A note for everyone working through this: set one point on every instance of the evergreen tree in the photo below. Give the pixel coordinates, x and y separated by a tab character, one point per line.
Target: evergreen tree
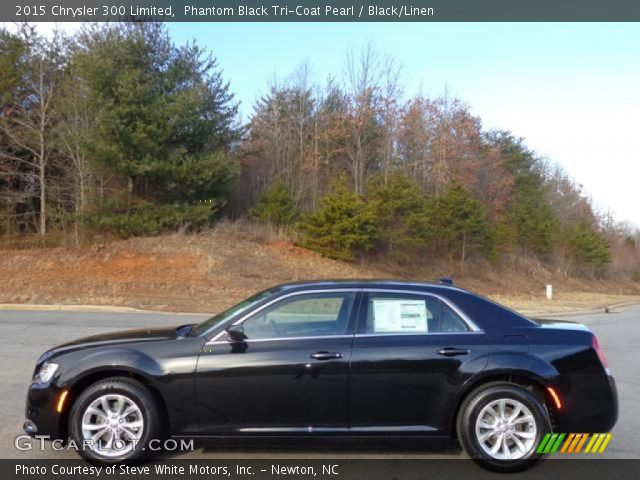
404	214
165	119
461	223
530	216
343	225
588	247
275	205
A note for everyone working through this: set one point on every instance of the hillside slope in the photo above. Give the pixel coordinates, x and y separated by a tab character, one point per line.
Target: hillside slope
210	271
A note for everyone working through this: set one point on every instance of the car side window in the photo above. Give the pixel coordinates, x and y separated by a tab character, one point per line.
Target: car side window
406	313
302	316
450	321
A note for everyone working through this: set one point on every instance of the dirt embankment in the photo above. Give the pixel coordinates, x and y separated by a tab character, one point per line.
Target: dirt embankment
210	271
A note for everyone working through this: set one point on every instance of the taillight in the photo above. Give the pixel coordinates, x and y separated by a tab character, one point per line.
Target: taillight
600	353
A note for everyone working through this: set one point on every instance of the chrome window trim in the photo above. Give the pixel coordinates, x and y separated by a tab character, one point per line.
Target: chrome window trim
414	334
280	339
276	300
465	318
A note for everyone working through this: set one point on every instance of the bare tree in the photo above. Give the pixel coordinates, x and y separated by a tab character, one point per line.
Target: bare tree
391	93
27	125
72	134
362	148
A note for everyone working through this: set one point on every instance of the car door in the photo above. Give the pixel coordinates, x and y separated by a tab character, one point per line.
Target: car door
290	374
411	354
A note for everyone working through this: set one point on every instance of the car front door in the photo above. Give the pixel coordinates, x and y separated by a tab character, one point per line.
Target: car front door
289	376
411	354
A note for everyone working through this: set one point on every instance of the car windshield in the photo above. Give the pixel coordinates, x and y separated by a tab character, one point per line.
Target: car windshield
231	312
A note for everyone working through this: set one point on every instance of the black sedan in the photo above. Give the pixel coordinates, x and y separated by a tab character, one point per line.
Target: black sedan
332	359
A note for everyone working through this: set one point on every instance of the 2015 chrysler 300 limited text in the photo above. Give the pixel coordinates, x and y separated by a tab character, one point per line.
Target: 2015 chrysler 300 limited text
332	358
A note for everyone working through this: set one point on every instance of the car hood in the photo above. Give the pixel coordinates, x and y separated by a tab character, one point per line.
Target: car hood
119	338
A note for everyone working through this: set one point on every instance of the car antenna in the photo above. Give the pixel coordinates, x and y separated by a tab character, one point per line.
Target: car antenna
446	281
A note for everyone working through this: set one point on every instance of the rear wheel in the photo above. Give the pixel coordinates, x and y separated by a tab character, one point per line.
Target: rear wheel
114	419
501	425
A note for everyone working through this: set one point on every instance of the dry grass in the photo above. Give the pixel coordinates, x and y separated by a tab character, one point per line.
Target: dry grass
212	270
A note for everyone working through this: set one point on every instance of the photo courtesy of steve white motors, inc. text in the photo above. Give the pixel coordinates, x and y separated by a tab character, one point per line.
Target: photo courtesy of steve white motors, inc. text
34	12
172	469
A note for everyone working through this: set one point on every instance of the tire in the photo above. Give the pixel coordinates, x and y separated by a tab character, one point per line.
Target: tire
122	409
503	416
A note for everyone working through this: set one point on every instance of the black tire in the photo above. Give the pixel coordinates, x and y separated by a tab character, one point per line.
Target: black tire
472	407
137	393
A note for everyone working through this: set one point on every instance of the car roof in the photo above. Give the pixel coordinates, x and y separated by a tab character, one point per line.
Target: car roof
322	284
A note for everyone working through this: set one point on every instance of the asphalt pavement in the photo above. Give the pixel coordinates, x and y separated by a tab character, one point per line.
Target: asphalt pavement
25	335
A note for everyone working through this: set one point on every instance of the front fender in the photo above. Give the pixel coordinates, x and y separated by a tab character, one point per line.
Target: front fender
169	370
115	359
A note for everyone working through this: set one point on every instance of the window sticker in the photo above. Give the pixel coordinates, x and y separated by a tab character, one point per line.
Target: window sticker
399	315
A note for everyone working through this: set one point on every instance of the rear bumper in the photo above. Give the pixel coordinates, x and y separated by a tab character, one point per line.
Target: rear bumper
589	404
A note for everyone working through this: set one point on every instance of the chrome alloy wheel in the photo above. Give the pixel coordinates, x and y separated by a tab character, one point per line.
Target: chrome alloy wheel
112	425
506	429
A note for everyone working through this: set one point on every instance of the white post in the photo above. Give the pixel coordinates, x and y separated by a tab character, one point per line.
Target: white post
549	292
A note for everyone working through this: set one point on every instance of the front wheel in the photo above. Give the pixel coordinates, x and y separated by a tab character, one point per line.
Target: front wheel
114	419
501	425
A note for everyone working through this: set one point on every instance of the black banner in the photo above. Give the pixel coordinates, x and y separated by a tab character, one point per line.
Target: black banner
319	11
334	469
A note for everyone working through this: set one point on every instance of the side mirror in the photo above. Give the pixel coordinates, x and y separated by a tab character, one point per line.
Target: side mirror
236	333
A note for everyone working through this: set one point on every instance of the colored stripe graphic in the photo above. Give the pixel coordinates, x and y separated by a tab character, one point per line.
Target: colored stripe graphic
544	441
594	437
605	443
584	439
558	443
550	443
567	443
573	442
576	441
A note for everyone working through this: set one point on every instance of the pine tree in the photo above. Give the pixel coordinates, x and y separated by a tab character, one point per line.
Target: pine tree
404	214
275	205
588	247
461	222
530	216
343	225
165	119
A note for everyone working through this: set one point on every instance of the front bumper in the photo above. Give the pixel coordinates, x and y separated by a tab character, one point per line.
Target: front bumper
41	415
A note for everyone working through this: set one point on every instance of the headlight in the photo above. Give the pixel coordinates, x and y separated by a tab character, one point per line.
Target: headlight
46	372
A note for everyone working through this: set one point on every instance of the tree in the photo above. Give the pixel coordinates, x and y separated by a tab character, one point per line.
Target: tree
460	221
529	214
73	134
343	225
364	132
35	71
588	246
280	135
275	205
165	118
403	212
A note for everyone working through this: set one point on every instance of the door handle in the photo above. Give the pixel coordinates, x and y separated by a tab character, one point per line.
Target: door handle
326	355
453	351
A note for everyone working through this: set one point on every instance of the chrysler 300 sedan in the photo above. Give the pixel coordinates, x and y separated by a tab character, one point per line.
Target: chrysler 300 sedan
332	359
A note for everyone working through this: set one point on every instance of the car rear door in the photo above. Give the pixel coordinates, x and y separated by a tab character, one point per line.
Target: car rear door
291	374
411	354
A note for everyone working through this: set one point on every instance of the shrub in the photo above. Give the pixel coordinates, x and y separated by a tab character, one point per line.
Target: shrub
343	225
144	218
275	205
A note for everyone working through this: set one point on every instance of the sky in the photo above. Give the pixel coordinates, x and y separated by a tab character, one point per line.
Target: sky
571	90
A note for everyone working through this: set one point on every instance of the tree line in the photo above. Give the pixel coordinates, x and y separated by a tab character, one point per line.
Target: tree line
117	131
